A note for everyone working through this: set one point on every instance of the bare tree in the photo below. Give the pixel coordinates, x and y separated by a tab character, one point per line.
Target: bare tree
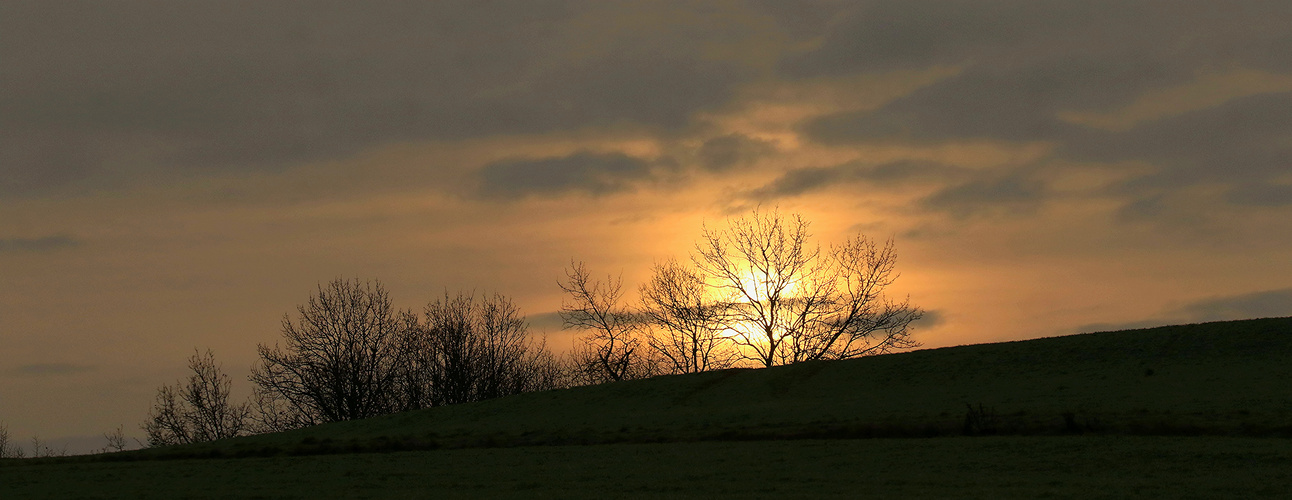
341	359
689	323
475	349
858	319
198	409
612	349
543	371
8	448
41	449
270	412
789	302
116	441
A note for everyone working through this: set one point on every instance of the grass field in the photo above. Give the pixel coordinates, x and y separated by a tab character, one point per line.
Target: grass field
951	467
1184	411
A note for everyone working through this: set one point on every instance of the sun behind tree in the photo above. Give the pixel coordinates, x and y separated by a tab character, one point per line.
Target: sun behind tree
787	302
755	293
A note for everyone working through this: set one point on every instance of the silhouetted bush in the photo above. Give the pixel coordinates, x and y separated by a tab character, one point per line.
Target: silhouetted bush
350	355
341	358
194	411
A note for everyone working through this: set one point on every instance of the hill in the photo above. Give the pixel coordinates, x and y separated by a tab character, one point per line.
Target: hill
1223	378
1173	412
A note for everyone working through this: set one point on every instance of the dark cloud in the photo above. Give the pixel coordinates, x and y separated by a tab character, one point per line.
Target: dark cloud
803	18
42	244
722	153
1014	104
1025	64
930	319
253	85
886	35
1266	304
962	192
592	173
1261	195
805	180
1245	142
30	162
51	369
547	322
1014	192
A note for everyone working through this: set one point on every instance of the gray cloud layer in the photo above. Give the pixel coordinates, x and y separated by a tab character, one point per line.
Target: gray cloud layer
1024	63
253	85
806	180
593	173
1266	304
111	92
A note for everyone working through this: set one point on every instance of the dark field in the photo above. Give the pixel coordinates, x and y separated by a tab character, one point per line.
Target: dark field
1201	411
980	467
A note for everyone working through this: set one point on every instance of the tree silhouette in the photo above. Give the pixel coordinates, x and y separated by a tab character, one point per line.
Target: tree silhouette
612	348
788	302
196	410
116	440
8	448
341	358
473	349
689	324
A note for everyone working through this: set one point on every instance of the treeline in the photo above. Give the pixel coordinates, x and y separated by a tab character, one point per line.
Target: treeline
9	448
754	293
348	354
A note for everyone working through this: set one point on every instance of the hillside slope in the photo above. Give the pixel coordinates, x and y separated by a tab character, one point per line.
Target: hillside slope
1227	378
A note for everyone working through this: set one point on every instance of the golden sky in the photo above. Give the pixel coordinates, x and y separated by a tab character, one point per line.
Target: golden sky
180	175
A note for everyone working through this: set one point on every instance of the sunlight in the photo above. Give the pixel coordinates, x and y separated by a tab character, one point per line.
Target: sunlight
745	330
751	286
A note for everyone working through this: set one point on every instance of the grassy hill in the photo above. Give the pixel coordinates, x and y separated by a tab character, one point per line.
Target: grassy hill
1226	382
1226	378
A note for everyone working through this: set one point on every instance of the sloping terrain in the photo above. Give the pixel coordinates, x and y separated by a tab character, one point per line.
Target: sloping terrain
1192	411
1224	378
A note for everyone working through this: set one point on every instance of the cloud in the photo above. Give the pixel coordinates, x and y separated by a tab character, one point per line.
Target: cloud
1243	142
1009	103
959	191
588	172
549	322
51	369
1268	195
39	245
1265	304
806	180
931	318
722	153
1026	68
1013	192
242	86
887	35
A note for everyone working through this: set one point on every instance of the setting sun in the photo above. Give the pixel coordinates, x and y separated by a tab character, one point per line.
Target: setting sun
526	234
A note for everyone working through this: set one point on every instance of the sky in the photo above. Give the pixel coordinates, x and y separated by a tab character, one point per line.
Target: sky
179	175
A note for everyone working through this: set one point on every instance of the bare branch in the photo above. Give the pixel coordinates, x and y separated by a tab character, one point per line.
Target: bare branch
195	411
611	350
789	302
690	325
341	357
